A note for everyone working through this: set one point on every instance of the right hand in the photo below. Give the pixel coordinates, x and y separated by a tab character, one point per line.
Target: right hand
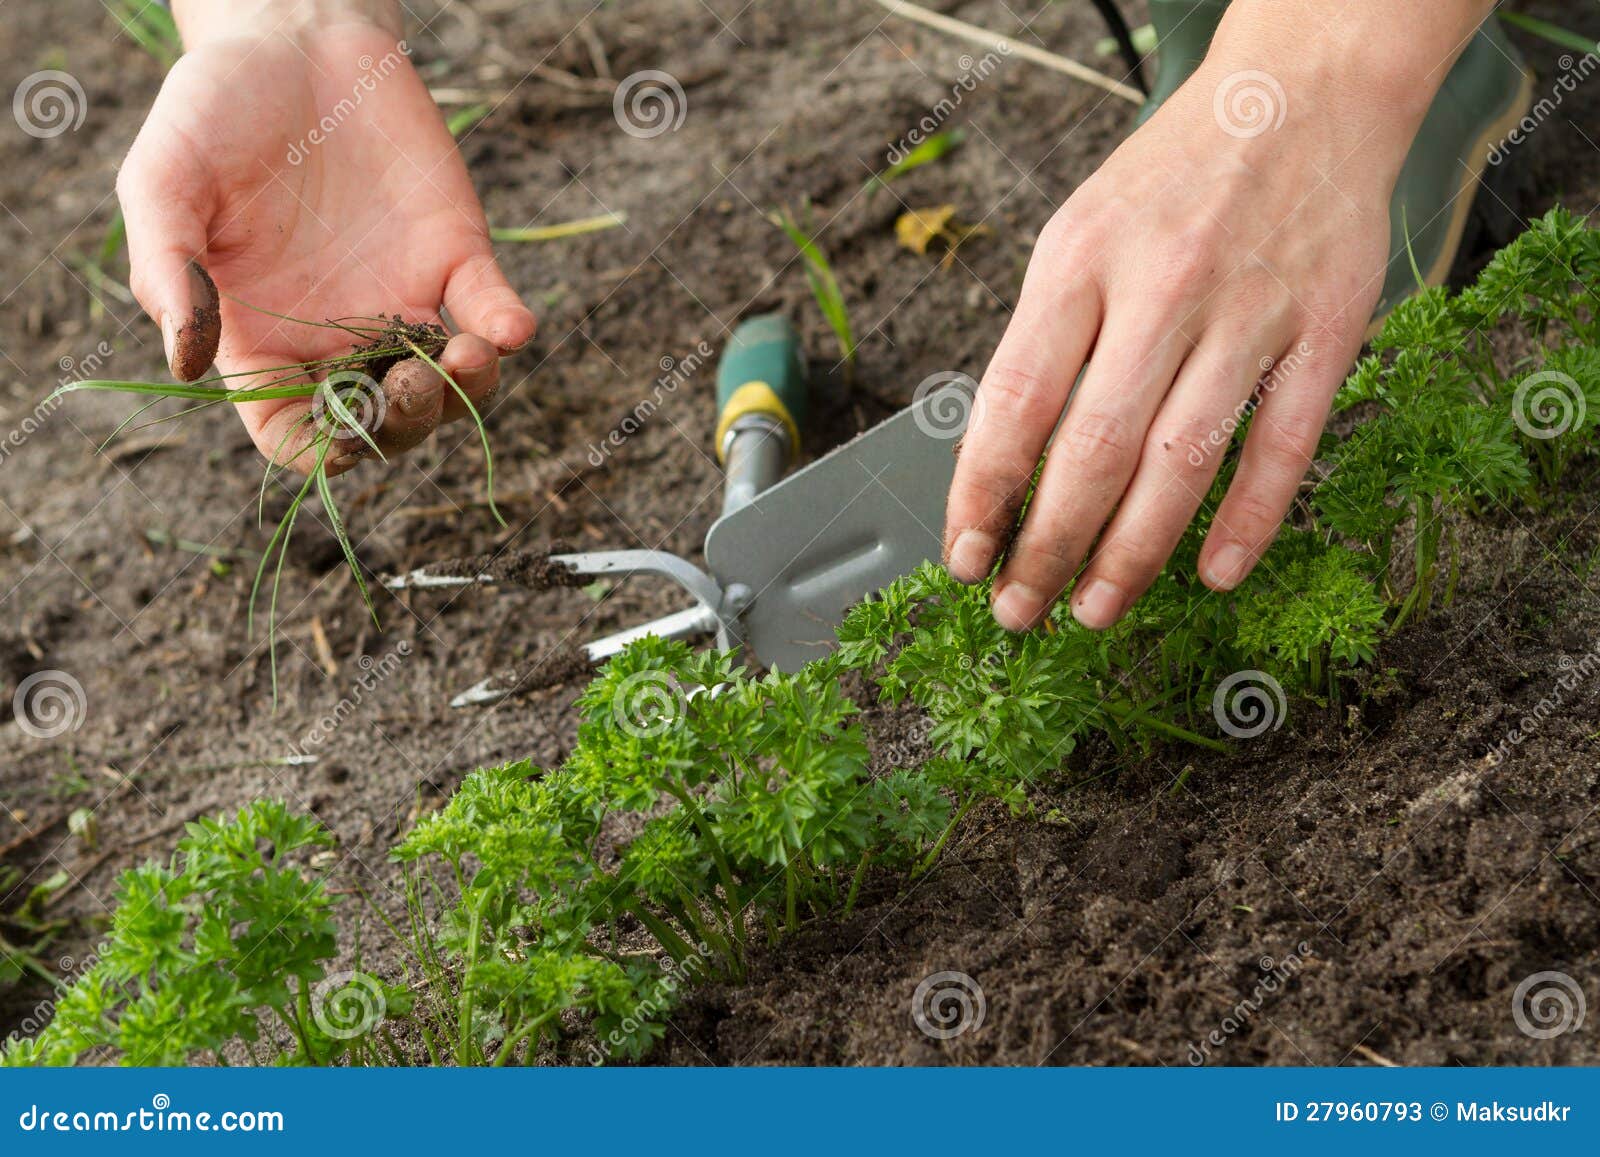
309	171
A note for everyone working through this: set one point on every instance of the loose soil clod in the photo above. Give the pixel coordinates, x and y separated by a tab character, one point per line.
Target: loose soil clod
535	570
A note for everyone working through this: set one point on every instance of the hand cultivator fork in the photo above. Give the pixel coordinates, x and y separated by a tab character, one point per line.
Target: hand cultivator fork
788	556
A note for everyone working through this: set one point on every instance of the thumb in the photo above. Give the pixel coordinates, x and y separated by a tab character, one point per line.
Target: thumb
165	203
482	302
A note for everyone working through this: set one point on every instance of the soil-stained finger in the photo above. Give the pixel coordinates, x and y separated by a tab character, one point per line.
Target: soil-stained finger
474	363
193	340
411	404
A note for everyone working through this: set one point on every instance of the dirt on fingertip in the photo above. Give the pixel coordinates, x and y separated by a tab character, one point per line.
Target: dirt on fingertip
195	344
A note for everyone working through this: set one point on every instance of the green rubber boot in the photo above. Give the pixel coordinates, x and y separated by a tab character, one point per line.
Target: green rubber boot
1486	94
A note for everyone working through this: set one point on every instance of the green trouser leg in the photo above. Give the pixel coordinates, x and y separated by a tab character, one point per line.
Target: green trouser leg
1484	96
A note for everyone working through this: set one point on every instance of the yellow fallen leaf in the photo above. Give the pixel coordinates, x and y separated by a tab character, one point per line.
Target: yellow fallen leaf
917	229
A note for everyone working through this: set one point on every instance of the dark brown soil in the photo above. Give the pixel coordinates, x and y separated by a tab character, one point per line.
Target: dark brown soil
1120	925
195	347
536	570
399	334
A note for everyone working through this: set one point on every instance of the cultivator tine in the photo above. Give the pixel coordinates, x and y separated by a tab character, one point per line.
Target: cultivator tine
420	579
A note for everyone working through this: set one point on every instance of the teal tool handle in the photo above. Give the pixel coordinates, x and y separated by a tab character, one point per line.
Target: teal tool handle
762	373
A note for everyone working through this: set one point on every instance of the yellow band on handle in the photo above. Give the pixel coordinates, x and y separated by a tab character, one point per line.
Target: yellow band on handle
755	398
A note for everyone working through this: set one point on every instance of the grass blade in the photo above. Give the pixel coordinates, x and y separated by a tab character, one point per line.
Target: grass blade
565	229
1554	33
483	433
926	153
824	285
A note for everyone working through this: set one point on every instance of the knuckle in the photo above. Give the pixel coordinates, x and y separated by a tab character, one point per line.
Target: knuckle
1252	516
1043	561
1008	388
1098	443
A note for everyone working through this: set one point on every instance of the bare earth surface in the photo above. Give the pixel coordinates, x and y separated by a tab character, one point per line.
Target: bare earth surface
1123	925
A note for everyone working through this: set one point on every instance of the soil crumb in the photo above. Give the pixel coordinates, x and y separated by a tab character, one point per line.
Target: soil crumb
536	570
398	332
558	668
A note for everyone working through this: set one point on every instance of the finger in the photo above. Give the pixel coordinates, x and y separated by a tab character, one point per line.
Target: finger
1179	460
287	430
413	401
474	364
1089	464
482	302
1014	413
166	207
1282	442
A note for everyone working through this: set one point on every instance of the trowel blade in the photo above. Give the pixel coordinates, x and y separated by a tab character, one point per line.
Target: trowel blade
842	528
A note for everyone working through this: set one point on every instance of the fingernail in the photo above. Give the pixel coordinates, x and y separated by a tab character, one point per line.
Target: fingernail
1017	607
1227	566
169	337
970	557
1099	605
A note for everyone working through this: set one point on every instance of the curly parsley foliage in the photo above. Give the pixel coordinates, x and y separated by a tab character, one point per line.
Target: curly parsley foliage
704	807
203	951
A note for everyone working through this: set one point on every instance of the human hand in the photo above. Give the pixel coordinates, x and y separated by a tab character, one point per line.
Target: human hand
297	156
1212	260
